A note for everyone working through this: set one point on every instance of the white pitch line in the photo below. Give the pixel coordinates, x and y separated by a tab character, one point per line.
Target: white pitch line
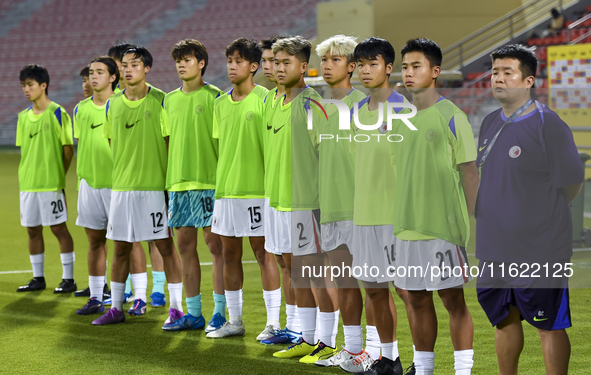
203	264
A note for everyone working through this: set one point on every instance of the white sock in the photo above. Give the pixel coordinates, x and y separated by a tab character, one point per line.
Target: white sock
37	261
96	285
293	319
424	362
414	353
308	322
395	354
176	296
317	329
463	361
234	303
117	293
67	265
387	349
327	327
353	339
273	305
140	285
372	342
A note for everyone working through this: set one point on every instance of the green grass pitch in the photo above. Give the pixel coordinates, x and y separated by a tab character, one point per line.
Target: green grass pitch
41	333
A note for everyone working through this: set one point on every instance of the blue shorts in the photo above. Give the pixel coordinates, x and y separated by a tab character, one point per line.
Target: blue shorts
191	208
541	304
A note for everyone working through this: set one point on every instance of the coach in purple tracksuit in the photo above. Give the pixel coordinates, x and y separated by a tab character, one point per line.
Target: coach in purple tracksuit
530	172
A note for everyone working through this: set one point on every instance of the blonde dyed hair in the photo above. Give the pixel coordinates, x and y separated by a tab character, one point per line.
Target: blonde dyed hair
296	46
338	45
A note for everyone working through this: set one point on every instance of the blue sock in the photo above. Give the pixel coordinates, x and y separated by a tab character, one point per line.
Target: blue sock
128	284
158	279
220	304
194	305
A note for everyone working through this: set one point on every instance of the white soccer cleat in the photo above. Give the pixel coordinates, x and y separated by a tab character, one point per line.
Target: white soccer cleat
359	363
335	360
268	332
227	330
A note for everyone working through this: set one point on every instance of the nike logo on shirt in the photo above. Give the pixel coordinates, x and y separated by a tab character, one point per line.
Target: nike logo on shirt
481	148
32	135
127	126
269	127
276	130
96	126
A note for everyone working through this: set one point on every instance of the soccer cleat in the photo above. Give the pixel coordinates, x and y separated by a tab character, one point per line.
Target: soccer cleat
112	316
300	349
138	308
128	297
410	370
359	363
173	316
82	293
226	330
34	284
216	322
66	286
283	336
336	359
384	366
106	292
187	322
157	299
321	351
92	306
267	332
107	302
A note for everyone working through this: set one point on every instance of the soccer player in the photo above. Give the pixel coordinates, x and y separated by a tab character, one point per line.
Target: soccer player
116	53
293	170
336	192
44	133
373	241
190	179
434	192
291	332
86	86
138	202
239	193
94	168
528	178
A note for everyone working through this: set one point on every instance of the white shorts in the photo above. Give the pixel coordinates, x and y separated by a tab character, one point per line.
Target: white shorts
430	265
374	253
277	230
43	208
93	206
305	232
236	217
138	216
335	234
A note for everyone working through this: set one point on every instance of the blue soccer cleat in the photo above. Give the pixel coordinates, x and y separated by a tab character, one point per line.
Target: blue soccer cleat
157	300
138	308
216	322
92	306
187	322
128	297
283	336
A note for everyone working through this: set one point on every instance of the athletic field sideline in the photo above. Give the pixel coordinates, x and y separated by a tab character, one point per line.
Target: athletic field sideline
41	333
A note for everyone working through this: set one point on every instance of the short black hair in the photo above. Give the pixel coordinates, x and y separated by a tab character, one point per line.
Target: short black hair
111	68
528	63
371	47
427	47
190	47
35	72
247	49
116	52
141	53
84	72
268	43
